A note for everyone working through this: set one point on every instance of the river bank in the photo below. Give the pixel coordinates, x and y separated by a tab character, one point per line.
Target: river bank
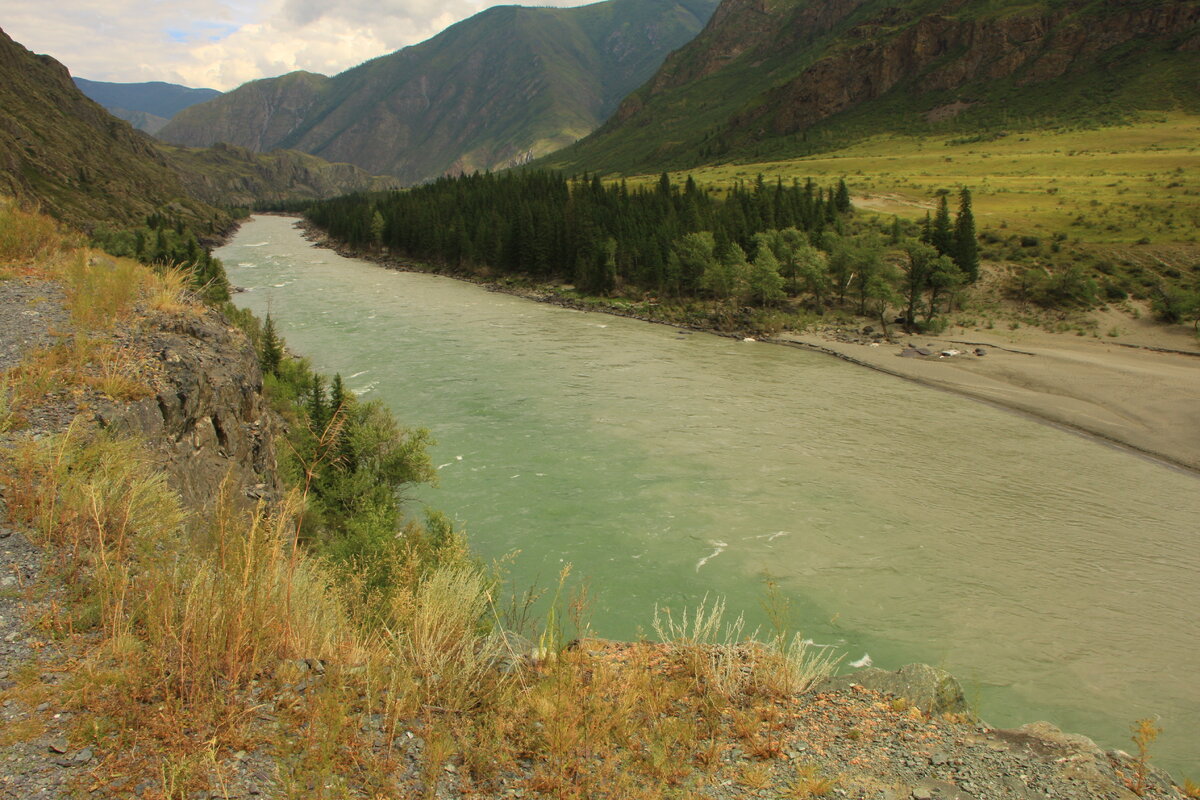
1136	389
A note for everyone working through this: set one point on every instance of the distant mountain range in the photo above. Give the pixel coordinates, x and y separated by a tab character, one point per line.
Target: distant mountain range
145	106
64	152
500	88
782	78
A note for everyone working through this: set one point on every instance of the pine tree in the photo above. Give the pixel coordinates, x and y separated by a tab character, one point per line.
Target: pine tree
337	394
943	232
843	197
966	246
271	351
318	408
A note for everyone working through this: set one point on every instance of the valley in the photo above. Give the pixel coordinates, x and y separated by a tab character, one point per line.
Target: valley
303	496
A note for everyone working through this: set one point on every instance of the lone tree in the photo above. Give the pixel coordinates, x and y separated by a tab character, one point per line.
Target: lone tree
966	245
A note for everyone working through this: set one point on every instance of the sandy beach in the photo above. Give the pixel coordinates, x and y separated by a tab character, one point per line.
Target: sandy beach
1140	390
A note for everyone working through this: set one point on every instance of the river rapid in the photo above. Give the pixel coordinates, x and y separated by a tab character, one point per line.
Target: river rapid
1054	575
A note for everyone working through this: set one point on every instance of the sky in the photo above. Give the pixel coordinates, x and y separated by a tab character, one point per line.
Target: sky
221	44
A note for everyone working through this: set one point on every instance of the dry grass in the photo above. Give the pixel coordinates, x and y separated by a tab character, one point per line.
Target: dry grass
8	414
198	618
723	659
30	241
81	361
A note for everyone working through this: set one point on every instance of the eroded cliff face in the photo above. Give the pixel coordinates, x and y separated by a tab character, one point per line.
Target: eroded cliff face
945	53
208	421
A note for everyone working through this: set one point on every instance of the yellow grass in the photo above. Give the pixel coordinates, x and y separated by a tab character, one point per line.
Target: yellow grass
29	240
1128	182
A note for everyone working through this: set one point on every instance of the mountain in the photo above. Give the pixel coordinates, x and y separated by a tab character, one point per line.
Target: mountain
63	151
225	175
779	78
506	85
141	120
145	106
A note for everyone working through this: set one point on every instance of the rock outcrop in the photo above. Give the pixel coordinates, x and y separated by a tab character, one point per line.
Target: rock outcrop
932	690
946	53
208	421
233	176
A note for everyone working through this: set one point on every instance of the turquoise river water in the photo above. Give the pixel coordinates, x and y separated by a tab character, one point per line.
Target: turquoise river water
1056	576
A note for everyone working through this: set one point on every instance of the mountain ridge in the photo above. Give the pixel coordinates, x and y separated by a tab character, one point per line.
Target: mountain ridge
535	80
64	152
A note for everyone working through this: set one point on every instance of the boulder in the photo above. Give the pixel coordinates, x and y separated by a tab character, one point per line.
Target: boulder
930	689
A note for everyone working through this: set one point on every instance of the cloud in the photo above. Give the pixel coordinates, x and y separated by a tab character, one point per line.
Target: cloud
224	43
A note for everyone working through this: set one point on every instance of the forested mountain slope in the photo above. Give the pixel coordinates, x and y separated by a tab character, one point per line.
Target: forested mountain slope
506	85
778	78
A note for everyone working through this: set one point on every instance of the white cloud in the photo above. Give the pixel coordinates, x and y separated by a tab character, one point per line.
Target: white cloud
224	43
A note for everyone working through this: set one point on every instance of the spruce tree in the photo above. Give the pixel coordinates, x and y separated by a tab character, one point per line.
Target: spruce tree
271	350
943	232
966	246
843	197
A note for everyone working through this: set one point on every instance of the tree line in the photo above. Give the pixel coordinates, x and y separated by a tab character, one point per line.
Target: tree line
757	244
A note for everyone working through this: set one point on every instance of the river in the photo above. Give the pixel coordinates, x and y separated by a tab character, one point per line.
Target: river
1054	575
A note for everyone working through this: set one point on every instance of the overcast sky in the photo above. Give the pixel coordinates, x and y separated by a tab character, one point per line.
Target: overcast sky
223	43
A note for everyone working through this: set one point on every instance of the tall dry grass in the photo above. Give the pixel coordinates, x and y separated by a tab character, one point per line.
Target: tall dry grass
30	241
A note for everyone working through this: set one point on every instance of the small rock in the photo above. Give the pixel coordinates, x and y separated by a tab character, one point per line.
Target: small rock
59	746
922	793
43	707
83	756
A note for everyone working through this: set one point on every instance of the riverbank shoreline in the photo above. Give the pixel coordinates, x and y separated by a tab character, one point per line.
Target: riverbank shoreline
1136	395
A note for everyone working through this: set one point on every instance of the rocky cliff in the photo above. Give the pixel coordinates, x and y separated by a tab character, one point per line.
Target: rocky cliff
207	420
959	55
233	176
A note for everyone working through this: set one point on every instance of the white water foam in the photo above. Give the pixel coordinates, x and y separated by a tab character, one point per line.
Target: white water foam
720	548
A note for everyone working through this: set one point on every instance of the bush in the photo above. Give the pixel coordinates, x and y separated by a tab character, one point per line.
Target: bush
1068	288
1114	292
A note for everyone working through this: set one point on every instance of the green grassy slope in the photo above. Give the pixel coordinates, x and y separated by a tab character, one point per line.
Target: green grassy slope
506	84
788	77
